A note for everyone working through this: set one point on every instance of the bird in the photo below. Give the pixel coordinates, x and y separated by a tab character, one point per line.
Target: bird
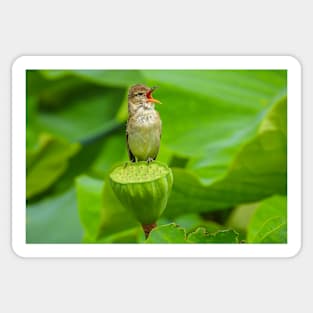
144	126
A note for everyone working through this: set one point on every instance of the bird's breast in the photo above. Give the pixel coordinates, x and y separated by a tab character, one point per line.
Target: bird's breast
144	131
146	119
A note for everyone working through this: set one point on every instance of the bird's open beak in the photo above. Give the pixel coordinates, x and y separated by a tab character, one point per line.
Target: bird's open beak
149	95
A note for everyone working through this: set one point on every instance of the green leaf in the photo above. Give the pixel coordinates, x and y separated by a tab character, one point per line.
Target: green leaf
209	115
79	164
103	217
54	220
46	162
258	171
54	94
31	110
269	222
241	216
87	113
89	202
129	235
55	74
112	151
119	78
221	85
114	78
191	222
201	235
170	233
36	83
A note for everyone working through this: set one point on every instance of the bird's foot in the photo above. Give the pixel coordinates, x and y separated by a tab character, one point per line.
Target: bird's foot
149	160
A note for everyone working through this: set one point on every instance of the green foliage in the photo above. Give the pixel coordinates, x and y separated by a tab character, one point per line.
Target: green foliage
269	222
224	137
54	219
191	222
201	235
172	233
89	204
103	217
48	159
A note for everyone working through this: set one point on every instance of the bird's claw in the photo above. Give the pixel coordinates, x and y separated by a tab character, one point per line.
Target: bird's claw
149	160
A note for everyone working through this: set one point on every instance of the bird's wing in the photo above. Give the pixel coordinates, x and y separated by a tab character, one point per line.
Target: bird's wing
130	154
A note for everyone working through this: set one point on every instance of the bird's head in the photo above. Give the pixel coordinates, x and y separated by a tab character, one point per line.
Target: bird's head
140	96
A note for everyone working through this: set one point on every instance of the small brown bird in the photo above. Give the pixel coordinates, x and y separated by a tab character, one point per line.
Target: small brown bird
144	126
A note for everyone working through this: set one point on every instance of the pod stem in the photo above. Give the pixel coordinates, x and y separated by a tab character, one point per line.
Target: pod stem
147	228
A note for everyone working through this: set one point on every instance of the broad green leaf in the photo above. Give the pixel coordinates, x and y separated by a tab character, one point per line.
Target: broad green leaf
209	115
122	114
31	110
190	222
103	217
78	165
54	94
54	220
201	235
70	106
222	85
32	140
129	235
241	215
269	222
258	171
35	83
170	233
46	162
55	74
112	151
89	203
86	114
114	78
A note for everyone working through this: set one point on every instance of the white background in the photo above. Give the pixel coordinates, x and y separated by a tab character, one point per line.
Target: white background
159	27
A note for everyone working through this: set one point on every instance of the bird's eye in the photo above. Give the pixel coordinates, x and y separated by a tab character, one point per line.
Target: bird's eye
140	94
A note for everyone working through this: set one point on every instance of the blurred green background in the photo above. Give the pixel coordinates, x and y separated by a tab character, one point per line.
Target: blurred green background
224	136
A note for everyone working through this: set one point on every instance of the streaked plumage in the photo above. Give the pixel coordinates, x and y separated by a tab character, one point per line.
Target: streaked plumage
143	131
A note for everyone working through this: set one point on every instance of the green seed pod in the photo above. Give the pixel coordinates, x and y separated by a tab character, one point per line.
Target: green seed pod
143	188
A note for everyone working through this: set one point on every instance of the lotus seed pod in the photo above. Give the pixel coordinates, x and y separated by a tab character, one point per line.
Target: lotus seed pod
143	188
